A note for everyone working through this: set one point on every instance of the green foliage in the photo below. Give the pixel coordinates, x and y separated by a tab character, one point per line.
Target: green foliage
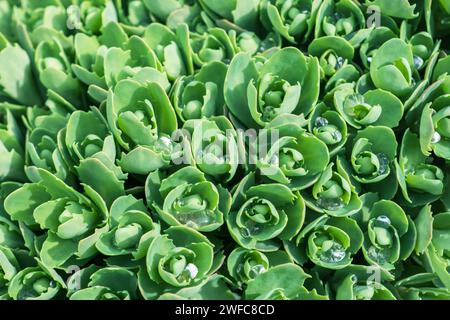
234	149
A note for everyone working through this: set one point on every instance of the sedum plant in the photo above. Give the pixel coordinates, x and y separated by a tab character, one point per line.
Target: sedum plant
224	150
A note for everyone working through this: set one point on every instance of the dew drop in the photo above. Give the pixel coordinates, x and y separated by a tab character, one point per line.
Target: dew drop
418	62
436	137
194	220
165	141
321	122
256	270
339	62
192	269
337	135
189	273
332	204
369	60
384	220
354	278
163	144
384	163
52	284
376	255
335	253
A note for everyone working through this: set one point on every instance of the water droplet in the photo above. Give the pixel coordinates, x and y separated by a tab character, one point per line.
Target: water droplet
256	270
164	144
354	278
165	141
384	163
335	253
52	284
192	269
321	122
194	220
376	255
337	135
384	220
418	62
436	137
332	204
339	62
369	60
189	273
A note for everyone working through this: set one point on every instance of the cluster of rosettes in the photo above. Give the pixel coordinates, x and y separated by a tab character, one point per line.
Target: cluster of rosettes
238	149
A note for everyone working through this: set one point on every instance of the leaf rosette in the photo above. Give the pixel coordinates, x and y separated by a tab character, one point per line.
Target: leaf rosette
358	282
11	149
131	230
423	47
372	156
334	53
329	126
241	14
392	68
172	49
390	235
142	121
376	107
282	282
88	146
186	197
333	193
174	12
73	221
433	122
244	265
343	18
12	260
109	283
420	180
215	45
200	95
133	14
329	242
101	62
55	72
295	158
293	19
215	147
256	96
35	283
432	231
375	39
41	143
264	214
180	258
